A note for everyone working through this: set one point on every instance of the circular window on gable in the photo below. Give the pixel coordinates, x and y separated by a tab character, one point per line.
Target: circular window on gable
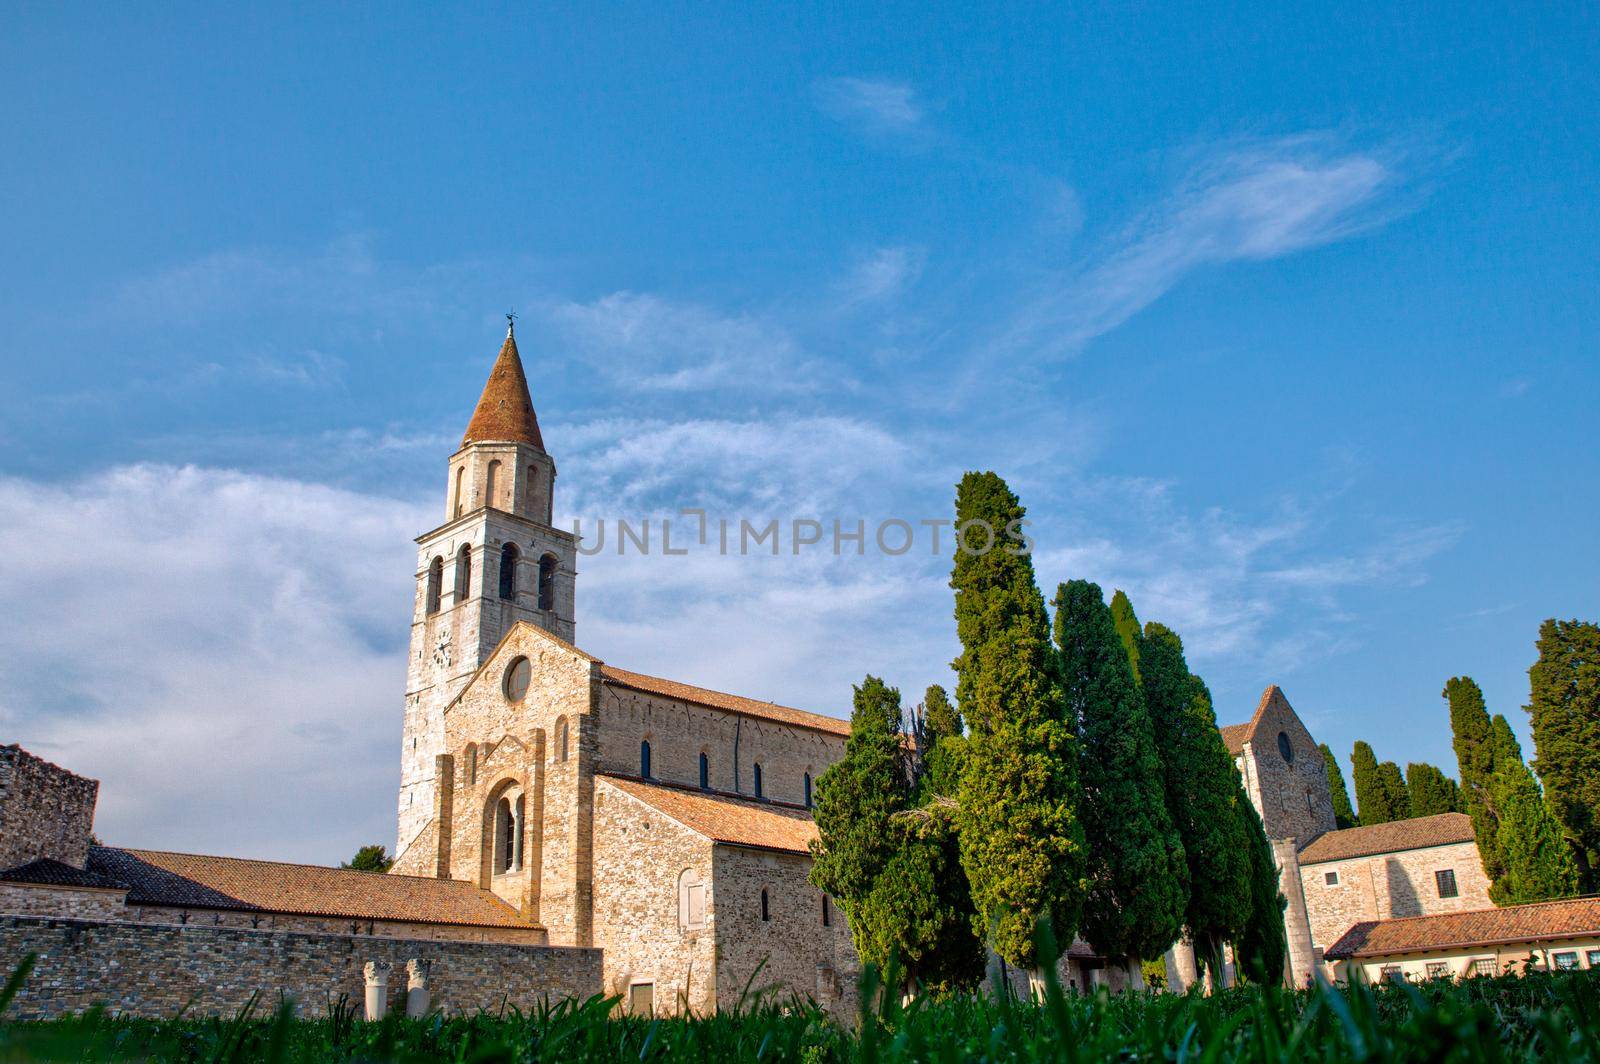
1284	748
518	675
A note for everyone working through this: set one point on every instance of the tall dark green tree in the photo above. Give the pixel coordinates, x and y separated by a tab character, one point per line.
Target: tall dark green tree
1472	739
1430	791
1380	789
1538	865
1565	710
1021	837
1344	815
1262	946
893	869
1138	874
947	745
1203	794
1127	628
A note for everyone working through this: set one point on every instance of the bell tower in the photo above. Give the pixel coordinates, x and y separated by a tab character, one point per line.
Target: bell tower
497	559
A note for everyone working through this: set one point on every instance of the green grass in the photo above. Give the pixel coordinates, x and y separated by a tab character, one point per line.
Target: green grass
1542	1016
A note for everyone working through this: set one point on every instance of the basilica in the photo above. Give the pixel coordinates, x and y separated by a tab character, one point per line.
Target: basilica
567	826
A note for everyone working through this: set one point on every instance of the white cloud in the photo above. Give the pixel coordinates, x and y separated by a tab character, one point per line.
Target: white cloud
1251	202
648	343
883	273
873	105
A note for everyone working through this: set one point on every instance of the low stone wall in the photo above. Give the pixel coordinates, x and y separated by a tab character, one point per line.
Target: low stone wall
155	970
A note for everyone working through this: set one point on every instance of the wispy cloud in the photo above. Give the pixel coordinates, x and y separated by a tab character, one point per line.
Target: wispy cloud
871	105
883	273
1256	201
646	342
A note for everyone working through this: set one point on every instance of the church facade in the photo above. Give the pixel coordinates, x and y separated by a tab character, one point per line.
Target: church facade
566	826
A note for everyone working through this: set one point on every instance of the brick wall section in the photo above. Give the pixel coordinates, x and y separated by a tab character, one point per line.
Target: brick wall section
1388	885
800	954
155	970
639	856
679	732
83	903
45	811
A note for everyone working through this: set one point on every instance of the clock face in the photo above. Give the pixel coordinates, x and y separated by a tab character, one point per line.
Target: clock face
441	649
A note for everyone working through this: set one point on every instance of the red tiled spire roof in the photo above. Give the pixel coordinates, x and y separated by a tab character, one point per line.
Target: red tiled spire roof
505	410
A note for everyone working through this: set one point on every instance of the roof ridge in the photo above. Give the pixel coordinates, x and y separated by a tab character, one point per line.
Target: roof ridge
832	723
704	792
291	864
1479	912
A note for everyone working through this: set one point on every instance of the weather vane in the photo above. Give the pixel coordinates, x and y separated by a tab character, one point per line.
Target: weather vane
511	321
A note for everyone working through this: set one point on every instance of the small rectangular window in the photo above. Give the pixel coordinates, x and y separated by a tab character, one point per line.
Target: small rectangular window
642	999
1331	878
1565	962
1445	880
1484	966
1393	973
827	912
1438	970
1592	958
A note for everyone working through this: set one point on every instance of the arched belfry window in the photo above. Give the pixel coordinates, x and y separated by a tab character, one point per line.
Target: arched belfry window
547	582
755	776
435	584
491	482
461	478
644	759
508	571
463	573
705	772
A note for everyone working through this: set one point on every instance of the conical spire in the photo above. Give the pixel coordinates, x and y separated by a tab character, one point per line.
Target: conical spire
505	410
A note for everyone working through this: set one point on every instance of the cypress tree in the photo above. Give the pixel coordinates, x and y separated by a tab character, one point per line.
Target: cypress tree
1203	794
1395	797
1430	790
944	758
892	869
1537	865
1262	946
1127	629
944	719
1372	800
1021	839
1565	710
1344	816
1138	874
1471	737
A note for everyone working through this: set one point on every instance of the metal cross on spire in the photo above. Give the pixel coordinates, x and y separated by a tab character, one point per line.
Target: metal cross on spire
511	322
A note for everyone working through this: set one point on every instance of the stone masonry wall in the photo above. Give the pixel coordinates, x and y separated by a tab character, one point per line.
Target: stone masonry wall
1291	796
639	856
337	925
1390	885
800	953
45	811
155	970
83	903
679	732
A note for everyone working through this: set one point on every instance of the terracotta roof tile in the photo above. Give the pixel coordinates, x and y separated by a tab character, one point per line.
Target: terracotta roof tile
1479	927
505	410
204	882
1441	829
1234	736
749	707
47	871
724	819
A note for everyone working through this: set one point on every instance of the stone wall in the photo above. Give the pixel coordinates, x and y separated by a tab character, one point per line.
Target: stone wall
45	811
150	969
679	732
1388	885
639	856
83	903
337	925
1292	796
792	948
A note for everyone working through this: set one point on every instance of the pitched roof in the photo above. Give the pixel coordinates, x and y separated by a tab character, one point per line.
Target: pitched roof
204	882
700	696
1478	927
1236	735
47	871
724	819
505	410
1441	829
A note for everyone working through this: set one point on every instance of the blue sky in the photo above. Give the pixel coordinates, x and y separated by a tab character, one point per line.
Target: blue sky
1283	320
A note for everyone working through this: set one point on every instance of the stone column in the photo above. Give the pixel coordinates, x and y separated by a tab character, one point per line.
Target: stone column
377	990
1182	969
1296	920
417	1000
